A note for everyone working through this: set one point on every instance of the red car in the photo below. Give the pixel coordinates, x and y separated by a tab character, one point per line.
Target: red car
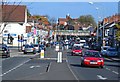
92	58
77	50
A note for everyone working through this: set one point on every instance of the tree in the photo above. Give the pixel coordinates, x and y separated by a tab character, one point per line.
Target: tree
28	13
87	20
118	32
52	20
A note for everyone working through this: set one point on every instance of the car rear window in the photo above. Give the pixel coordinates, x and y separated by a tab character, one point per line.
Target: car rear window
92	54
105	48
35	45
28	46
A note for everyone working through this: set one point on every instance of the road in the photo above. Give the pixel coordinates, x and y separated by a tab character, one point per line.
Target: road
31	67
109	72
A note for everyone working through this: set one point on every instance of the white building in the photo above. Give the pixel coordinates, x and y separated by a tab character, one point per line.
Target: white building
14	21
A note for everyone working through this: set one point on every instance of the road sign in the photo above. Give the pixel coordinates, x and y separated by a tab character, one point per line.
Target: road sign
22	40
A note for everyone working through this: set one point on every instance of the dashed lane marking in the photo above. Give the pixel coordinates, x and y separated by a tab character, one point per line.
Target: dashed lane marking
115	72
15	68
112	71
108	69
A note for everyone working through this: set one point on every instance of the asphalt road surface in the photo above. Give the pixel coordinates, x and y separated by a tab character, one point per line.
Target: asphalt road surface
109	72
31	67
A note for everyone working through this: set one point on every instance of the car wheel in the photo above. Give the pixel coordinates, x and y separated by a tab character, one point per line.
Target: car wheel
101	66
9	55
25	52
82	65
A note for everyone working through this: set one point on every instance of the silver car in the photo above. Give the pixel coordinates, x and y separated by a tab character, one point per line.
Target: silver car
104	50
112	52
29	49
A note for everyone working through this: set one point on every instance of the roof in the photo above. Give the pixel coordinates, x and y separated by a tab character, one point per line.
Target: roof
92	50
62	21
13	13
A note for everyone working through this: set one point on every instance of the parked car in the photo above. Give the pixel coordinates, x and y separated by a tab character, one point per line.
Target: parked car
36	46
111	52
92	58
104	50
29	49
95	46
82	42
86	46
77	50
4	50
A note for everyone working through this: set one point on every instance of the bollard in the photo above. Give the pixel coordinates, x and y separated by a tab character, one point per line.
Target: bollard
42	54
59	59
67	46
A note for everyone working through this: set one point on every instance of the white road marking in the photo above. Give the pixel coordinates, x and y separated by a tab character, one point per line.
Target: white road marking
115	72
108	69
101	77
15	68
35	66
49	66
31	67
72	71
112	71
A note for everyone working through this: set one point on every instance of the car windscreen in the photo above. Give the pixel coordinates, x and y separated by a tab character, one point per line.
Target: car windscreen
91	54
77	48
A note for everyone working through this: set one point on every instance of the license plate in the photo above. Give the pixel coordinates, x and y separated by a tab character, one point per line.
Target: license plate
93	62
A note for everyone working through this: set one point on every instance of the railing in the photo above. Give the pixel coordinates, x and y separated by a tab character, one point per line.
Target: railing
73	32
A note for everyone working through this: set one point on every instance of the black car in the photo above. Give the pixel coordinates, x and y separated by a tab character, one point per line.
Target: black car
4	50
95	46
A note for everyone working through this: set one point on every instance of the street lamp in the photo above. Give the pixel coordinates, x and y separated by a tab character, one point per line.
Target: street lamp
98	18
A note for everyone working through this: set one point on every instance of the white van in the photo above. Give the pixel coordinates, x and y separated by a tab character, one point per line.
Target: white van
82	42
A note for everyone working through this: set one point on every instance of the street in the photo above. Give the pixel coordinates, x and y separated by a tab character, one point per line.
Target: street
31	67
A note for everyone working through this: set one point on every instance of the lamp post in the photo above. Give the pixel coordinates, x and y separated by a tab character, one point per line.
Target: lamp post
98	19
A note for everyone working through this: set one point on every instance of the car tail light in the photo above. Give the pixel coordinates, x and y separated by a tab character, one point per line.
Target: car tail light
73	51
33	48
86	60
